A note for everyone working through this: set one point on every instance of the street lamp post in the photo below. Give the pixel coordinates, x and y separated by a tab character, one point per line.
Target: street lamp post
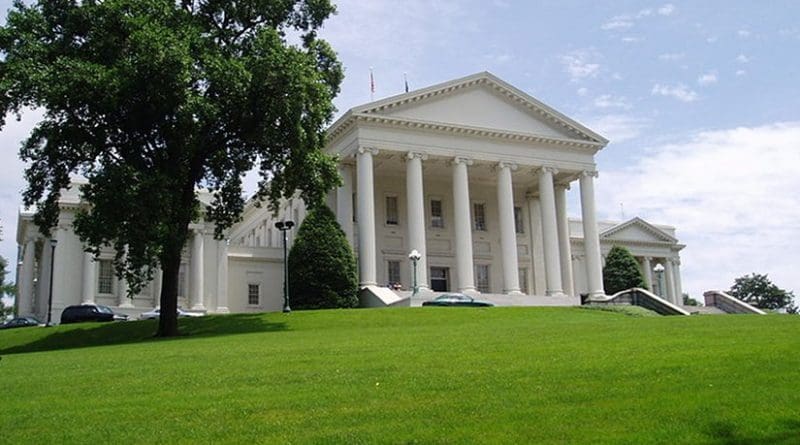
414	256
285	226
53	243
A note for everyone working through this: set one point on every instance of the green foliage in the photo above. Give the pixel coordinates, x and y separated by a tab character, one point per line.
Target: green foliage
626	309
322	268
151	99
759	291
689	301
621	271
569	376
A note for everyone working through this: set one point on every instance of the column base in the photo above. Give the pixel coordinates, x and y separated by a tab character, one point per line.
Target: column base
597	296
513	292
125	305
367	283
555	293
223	310
87	302
469	291
198	307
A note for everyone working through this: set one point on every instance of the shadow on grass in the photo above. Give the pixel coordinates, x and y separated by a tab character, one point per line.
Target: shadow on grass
104	334
725	433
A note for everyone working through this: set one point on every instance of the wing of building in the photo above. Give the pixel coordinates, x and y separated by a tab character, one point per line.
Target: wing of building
473	174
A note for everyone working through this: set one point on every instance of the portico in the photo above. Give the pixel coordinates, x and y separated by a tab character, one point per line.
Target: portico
454	171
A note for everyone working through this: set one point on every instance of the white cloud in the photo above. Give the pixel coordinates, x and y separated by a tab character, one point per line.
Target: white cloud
616	23
580	64
728	194
679	91
671	56
707	79
667	9
582	91
609	101
740	73
617	127
631	39
712	39
743	33
741	58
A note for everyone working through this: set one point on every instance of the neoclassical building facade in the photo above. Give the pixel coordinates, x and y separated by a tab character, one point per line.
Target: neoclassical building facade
473	174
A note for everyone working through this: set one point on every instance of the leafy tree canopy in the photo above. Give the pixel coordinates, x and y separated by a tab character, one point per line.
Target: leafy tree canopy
759	291
322	267
151	99
621	271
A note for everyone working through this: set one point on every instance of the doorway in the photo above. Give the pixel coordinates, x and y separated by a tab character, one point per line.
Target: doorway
440	279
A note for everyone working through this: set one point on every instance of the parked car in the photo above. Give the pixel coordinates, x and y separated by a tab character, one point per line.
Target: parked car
457	300
21	322
90	312
154	314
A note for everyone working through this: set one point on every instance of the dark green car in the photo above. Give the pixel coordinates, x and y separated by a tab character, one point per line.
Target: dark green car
457	300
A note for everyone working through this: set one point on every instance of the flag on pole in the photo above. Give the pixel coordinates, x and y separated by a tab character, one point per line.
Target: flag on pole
405	81
371	84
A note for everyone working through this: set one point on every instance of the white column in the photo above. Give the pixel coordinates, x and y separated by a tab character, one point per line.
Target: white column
196	284
366	217
537	245
676	271
670	285
508	234
25	305
648	272
344	202
591	238
122	291
565	250
158	280
89	280
416	215
463	225
222	276
550	232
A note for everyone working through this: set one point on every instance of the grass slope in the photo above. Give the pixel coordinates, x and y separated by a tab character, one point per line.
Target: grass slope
427	375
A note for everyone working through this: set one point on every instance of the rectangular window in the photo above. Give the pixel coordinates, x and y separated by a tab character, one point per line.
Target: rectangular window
391	210
482	278
437	219
440	279
105	277
393	272
253	291
519	226
523	281
479	217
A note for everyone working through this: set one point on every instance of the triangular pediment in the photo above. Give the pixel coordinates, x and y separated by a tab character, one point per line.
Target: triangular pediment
480	101
637	230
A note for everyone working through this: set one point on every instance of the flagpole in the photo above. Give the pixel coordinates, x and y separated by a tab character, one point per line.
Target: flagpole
371	86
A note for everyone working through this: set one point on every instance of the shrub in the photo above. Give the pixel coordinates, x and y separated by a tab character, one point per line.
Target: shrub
322	267
621	271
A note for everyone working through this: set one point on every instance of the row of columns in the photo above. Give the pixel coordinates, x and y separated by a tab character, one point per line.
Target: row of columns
552	205
672	291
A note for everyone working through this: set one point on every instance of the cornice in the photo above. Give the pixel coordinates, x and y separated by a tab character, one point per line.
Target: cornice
462	130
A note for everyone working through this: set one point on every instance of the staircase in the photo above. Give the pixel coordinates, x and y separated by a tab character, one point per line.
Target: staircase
728	304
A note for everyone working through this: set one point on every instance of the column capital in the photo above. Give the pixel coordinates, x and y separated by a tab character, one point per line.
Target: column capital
589	173
507	164
416	154
374	151
562	185
648	258
546	169
532	195
462	160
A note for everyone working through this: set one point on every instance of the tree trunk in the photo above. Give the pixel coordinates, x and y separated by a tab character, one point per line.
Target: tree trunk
168	320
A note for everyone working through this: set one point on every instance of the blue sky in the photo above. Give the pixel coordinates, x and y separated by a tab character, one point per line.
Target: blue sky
699	99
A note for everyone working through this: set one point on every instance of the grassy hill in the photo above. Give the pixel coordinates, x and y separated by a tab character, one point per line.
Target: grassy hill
423	375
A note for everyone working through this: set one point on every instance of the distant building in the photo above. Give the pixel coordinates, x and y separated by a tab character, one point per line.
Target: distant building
472	173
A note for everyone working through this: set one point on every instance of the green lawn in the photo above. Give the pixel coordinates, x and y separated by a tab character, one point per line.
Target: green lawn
423	375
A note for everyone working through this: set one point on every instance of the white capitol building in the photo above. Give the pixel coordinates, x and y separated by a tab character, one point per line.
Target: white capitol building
472	173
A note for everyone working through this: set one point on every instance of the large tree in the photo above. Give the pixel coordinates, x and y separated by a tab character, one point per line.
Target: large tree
621	271
758	290
151	99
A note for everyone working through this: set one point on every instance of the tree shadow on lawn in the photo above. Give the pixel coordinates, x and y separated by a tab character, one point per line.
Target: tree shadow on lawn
86	335
725	433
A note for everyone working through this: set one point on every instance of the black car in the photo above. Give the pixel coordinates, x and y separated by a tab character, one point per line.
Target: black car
457	300
90	312
21	322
